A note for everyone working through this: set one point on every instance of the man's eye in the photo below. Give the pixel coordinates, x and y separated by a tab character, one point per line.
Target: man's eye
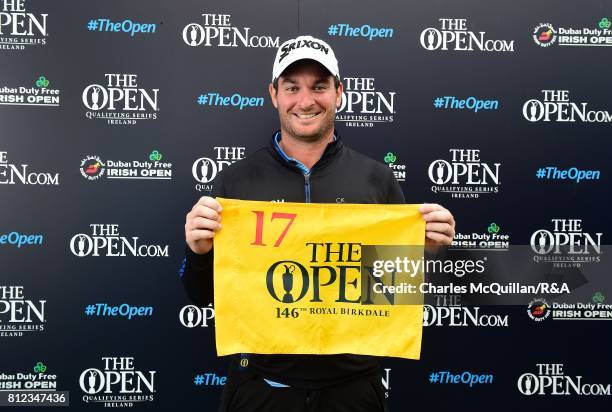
292	89
320	87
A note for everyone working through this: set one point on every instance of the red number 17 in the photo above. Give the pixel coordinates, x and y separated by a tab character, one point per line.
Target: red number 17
275	215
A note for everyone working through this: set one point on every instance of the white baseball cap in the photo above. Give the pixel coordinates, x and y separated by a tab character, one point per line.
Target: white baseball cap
304	47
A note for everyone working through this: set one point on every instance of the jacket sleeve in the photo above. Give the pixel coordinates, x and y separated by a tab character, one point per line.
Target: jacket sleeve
197	277
394	191
197	270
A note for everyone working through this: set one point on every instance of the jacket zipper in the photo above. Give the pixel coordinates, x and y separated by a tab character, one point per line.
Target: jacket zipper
305	171
307	186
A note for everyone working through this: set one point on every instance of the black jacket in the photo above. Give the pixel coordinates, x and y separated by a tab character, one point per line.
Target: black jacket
342	175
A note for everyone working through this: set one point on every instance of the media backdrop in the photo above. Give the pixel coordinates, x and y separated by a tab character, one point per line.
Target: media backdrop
115	117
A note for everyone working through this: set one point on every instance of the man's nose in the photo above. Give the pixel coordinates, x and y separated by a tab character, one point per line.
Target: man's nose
306	99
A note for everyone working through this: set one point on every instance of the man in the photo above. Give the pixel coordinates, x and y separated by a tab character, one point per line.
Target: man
306	161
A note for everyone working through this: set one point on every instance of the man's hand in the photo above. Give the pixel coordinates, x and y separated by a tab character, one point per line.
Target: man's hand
440	227
201	224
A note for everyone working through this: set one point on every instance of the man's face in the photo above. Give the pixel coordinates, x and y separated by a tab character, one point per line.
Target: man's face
306	101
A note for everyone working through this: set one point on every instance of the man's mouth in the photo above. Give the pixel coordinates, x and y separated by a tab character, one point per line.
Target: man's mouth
306	116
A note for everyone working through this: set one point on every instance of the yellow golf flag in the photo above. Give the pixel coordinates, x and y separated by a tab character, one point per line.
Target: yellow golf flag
304	278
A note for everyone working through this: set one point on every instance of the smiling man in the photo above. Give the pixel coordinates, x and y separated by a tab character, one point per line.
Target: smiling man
306	161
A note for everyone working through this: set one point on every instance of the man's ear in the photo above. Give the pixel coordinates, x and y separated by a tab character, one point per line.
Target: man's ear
339	91
273	95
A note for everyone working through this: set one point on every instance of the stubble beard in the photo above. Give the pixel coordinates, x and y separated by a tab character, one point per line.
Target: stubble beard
326	126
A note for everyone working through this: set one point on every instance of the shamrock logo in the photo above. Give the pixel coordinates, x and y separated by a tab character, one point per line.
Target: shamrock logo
598	297
493	228
40	367
605	23
155	156
390	158
42	82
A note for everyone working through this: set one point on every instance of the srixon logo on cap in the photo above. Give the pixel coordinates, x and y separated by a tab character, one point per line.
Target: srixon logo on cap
287	48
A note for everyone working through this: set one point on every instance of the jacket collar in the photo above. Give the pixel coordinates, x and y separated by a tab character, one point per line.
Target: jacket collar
332	150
